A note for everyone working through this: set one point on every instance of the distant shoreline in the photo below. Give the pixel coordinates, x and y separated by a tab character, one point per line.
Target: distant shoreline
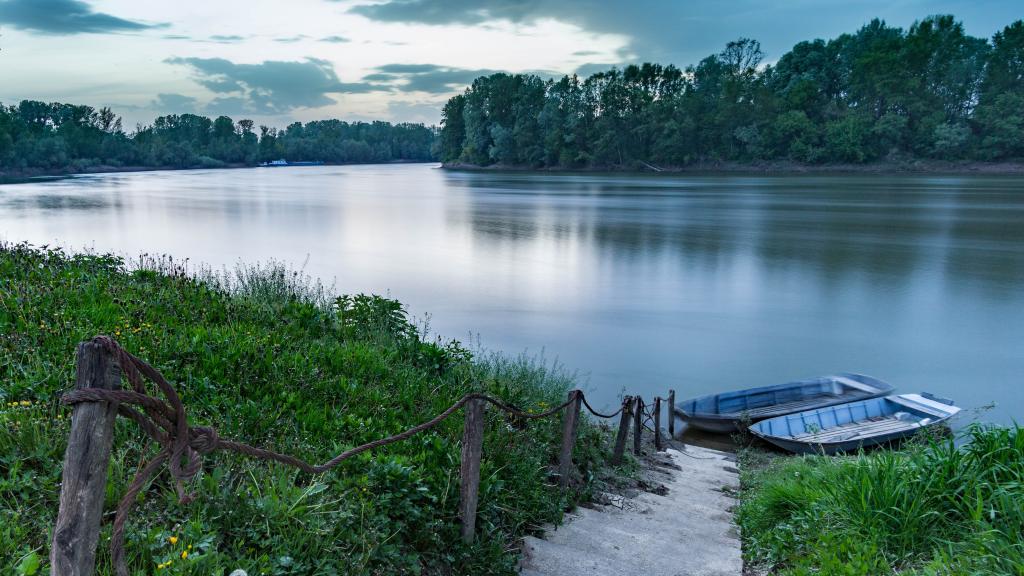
20	176
764	168
776	168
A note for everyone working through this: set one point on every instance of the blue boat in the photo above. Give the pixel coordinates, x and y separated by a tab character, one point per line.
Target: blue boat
282	163
854	425
731	411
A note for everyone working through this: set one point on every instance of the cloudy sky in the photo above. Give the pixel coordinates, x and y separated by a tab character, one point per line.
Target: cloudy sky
398	60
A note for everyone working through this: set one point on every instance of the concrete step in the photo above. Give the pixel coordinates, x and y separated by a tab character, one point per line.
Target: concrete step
687	532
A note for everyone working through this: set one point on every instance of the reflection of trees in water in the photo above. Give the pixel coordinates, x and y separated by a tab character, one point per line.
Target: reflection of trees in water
58	202
880	228
844	240
989	242
617	232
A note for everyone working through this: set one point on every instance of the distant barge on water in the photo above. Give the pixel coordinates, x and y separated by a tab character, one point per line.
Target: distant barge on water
283	162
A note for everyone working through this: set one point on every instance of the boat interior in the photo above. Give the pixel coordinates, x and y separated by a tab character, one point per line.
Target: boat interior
872	417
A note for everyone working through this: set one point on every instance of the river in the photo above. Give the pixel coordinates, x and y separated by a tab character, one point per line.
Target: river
639	283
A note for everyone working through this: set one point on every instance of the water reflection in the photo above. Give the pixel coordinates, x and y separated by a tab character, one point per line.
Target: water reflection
641	282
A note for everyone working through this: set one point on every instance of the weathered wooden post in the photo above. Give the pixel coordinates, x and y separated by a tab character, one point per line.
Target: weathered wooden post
620	438
638	424
84	476
657	423
570	421
672	414
472	445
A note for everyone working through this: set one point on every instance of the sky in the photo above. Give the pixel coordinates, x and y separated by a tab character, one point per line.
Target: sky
396	60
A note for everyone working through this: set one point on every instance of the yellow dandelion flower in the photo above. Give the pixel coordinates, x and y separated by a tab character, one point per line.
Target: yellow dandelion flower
184	554
173	540
26	403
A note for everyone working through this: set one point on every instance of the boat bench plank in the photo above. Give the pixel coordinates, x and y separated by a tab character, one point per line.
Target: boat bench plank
787	407
862	429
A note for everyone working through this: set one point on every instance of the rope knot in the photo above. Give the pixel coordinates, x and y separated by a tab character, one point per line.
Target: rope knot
203	439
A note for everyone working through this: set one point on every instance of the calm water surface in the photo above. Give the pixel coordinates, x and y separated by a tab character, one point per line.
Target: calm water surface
639	283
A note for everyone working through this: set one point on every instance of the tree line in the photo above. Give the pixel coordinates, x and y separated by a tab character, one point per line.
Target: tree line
881	93
39	136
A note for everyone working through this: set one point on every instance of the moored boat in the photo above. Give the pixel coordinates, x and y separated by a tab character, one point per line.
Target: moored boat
282	163
731	411
854	425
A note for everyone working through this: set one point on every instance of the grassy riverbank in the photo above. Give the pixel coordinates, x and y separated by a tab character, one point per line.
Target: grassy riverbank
931	509
779	167
269	358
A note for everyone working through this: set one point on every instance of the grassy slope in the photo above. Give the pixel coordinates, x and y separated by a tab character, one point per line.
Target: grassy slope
931	509
268	359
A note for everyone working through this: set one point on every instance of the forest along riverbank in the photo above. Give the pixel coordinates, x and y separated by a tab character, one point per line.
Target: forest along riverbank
823	102
55	137
268	357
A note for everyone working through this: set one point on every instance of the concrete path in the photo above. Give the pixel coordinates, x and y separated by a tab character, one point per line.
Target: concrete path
687	530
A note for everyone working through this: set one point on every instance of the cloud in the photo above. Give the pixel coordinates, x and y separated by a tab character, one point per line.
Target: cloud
424	112
65	17
592	68
271	87
430	78
291	39
335	39
174	103
447	11
226	38
227	106
381	77
673	31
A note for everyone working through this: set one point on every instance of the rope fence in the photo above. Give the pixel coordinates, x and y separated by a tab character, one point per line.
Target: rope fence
98	399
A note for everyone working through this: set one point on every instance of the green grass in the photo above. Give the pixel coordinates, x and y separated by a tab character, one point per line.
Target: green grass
268	357
933	508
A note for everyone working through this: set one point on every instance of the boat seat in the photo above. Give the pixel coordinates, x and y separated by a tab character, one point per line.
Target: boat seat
860	429
789	407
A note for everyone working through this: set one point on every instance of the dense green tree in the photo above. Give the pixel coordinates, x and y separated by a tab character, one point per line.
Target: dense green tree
879	92
453	132
40	136
1000	114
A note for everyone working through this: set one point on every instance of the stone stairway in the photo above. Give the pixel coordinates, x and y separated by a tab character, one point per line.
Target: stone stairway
686	530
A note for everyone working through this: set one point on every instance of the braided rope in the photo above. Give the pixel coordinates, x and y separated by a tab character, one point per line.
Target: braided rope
183	447
598	414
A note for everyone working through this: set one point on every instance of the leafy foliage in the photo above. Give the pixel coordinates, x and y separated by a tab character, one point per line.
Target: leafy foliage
267	357
932	509
55	136
931	91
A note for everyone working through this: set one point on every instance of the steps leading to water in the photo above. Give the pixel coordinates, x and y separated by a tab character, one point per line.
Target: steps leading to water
688	531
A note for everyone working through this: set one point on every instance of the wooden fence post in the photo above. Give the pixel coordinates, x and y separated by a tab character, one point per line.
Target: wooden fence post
638	424
620	438
672	414
657	423
84	476
570	421
472	445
